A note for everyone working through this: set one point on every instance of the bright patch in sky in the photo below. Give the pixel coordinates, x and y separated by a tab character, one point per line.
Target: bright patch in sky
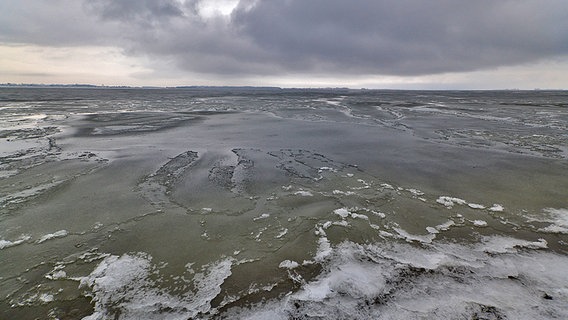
90	64
211	8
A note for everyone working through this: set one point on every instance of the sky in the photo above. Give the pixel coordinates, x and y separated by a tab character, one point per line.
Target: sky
392	44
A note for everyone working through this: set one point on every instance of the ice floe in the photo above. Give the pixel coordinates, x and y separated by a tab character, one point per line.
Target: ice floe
7	243
57	234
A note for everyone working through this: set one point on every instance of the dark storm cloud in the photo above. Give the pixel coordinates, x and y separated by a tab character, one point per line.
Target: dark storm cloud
327	37
141	11
407	36
52	23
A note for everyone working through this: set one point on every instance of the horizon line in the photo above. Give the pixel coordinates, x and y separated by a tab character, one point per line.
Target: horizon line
87	85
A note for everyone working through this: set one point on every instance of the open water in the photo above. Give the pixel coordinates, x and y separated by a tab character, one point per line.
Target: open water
242	203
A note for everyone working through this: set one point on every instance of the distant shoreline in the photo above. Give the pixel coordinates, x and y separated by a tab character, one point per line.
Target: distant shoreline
251	88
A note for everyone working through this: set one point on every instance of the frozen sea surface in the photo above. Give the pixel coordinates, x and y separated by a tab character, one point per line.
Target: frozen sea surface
284	204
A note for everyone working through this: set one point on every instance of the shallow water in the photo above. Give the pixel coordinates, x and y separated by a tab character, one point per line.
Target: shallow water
204	203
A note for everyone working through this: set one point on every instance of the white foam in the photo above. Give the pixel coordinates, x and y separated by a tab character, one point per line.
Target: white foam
303	193
58	234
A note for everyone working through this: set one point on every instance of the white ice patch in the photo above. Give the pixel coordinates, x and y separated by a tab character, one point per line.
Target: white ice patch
348	276
28	193
324	249
8	173
319	231
479	223
379	214
359	216
412	237
344	193
445	226
510	245
341	223
558	219
554	229
387	186
437	281
449	202
57	273
282	233
303	193
46	297
288	264
496	208
415	192
262	216
124	284
342	212
476	206
58	234
7	243
432	230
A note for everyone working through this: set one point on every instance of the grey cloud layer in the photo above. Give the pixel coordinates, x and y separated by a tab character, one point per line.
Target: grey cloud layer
395	37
